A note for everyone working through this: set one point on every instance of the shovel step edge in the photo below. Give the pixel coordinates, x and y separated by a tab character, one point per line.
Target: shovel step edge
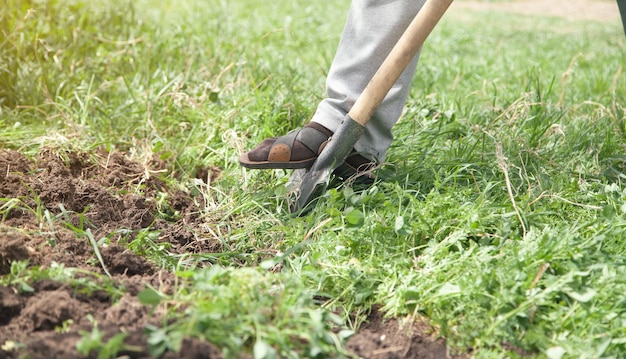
335	152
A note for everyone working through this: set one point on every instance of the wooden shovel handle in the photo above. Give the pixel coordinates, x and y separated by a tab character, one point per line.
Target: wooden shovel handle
398	59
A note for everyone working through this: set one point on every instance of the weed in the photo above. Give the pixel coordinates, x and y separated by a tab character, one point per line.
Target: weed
95	341
20	275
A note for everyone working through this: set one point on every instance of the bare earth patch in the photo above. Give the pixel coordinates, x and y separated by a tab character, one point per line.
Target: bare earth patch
382	338
597	10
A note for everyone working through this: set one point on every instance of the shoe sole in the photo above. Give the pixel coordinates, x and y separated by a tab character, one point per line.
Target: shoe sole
265	165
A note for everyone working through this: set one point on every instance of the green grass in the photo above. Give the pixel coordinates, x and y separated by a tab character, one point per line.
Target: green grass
500	215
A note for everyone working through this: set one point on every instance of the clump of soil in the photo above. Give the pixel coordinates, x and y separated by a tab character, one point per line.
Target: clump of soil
107	196
381	338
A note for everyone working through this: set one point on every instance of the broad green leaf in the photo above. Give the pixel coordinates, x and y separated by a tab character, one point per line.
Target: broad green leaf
448	289
355	217
263	350
555	352
149	296
399	224
583	297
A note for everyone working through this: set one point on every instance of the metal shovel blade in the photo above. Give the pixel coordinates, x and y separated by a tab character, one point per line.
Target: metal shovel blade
336	151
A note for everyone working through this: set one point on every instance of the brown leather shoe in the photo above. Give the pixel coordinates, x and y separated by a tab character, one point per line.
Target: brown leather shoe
299	149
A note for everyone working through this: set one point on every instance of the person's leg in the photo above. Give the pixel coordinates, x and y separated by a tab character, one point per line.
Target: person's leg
372	29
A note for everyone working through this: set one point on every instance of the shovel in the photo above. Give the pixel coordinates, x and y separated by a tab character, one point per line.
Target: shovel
308	185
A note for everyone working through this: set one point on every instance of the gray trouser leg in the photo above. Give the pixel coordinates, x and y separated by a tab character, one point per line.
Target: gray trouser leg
372	29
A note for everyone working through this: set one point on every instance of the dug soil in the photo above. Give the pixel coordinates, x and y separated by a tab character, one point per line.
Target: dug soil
64	202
